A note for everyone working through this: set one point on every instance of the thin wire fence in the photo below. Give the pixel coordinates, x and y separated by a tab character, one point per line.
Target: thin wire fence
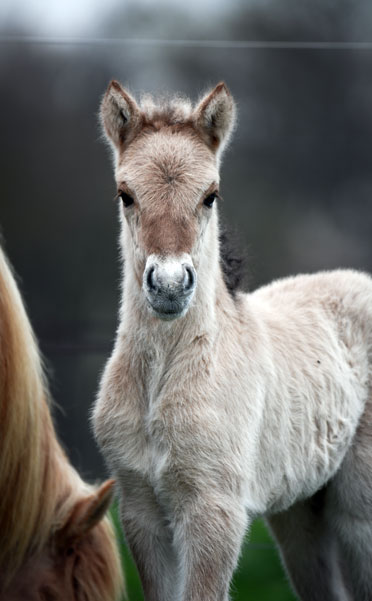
222	44
67	347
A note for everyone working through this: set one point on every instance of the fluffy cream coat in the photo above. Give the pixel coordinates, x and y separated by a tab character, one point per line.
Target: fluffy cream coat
257	405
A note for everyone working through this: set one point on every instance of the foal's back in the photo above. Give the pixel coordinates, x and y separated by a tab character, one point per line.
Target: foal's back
318	355
321	325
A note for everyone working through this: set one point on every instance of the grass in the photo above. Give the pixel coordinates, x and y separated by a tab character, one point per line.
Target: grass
259	575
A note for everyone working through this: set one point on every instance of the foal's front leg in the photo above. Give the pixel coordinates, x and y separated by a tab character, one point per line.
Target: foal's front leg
208	534
149	539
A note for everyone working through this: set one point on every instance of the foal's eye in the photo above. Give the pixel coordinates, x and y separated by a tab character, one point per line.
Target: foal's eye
127	200
208	202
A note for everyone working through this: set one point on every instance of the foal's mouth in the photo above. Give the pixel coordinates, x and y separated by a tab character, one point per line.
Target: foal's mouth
168	310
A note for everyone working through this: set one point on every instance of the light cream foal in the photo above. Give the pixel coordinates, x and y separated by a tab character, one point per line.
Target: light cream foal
215	408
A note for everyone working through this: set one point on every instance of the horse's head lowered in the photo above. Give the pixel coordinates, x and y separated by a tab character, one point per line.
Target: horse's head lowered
77	562
55	543
166	168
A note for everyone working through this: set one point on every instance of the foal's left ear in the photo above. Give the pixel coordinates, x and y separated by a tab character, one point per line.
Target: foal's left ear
215	117
85	514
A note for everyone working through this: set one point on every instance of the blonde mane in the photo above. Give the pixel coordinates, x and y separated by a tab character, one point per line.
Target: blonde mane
38	485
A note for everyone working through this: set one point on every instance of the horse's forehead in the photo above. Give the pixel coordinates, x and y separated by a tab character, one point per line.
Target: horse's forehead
38	574
164	158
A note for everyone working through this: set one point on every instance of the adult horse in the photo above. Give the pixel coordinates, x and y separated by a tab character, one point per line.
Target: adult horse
56	544
217	406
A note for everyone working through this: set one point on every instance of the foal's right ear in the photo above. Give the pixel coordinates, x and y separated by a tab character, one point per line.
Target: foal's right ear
120	115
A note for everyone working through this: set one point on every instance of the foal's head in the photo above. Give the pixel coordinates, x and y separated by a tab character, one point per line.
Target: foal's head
166	167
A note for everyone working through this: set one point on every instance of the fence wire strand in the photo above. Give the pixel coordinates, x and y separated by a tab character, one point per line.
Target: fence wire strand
213	44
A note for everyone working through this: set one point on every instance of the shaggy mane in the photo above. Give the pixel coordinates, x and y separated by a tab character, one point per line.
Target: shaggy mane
166	110
233	262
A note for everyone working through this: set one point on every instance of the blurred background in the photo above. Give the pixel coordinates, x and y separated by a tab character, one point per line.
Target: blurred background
296	182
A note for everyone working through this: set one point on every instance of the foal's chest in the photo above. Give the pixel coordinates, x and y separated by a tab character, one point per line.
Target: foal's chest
140	429
134	445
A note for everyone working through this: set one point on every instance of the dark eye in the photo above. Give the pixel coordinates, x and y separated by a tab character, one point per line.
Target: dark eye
208	202
127	200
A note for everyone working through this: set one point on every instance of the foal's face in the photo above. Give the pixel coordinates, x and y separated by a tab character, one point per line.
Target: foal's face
167	180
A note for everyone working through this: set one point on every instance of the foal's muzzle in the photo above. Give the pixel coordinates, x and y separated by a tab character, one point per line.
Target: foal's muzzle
169	285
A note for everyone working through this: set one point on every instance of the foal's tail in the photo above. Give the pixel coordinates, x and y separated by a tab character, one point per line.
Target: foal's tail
42	497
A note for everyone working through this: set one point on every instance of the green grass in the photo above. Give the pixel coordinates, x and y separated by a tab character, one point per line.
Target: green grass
259	575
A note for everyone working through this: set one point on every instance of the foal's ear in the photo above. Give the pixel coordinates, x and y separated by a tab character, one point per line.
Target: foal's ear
215	117
120	115
85	514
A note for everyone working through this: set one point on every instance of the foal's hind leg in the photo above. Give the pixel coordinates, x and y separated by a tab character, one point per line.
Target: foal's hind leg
350	513
309	551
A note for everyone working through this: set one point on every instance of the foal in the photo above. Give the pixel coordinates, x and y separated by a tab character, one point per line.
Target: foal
216	408
55	544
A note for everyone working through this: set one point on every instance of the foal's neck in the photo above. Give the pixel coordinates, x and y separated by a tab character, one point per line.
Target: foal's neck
207	315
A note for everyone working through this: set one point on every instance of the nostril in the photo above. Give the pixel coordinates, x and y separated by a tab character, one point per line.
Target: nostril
150	278
189	279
